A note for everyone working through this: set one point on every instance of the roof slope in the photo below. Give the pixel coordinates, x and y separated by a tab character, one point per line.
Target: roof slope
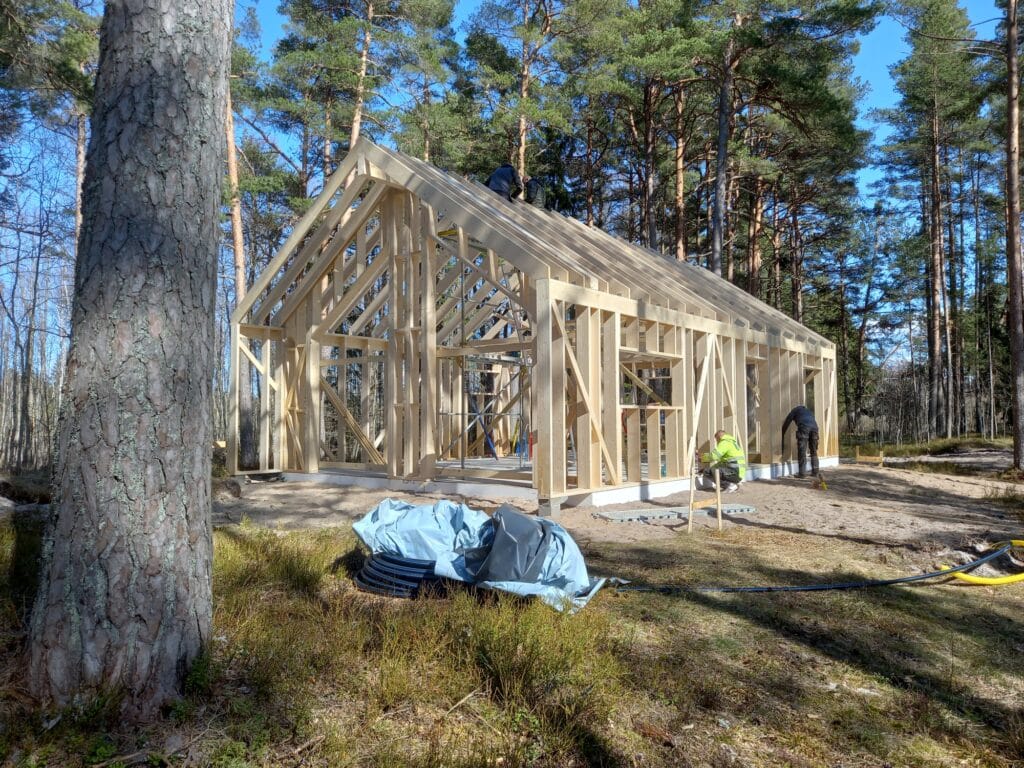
542	243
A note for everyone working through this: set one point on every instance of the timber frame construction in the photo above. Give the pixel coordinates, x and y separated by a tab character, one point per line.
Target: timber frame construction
417	326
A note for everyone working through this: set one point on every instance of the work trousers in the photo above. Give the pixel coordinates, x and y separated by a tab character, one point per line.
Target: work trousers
807	442
728	473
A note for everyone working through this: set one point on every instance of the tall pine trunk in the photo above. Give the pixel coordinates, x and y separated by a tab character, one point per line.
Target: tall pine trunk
722	158
754	239
124	603
1015	318
680	158
936	405
361	88
248	458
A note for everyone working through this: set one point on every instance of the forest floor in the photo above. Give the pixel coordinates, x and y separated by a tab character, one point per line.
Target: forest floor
306	670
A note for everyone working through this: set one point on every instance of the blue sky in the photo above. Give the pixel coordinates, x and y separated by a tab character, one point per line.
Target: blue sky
885	46
879	50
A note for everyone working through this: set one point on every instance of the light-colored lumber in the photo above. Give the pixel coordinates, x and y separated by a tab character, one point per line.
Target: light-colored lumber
559	319
718	498
336	400
298	233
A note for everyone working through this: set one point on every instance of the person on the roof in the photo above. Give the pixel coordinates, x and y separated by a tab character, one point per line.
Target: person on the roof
536	194
506	182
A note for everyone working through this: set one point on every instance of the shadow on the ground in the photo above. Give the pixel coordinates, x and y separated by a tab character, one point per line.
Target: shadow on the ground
913	637
874	490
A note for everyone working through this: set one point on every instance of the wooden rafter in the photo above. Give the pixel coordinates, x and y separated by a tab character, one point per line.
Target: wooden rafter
366	272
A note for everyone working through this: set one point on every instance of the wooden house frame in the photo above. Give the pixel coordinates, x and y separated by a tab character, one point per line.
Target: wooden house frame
417	326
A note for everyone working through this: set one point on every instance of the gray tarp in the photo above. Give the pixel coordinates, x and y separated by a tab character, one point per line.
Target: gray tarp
511	551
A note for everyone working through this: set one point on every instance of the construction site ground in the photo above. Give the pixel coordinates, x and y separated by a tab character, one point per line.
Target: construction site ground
870	505
305	669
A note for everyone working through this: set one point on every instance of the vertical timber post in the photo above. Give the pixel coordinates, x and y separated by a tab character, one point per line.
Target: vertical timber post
233	384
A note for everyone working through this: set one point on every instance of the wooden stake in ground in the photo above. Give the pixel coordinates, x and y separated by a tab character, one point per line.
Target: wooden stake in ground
124	602
693	488
718	496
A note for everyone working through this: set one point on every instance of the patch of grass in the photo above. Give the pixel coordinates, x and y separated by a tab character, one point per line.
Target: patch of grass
1011	500
305	669
939	468
938	447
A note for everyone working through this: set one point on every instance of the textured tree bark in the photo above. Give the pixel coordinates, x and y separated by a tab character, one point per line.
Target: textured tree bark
796	264
124	601
650	188
1015	313
754	239
80	120
364	59
936	405
722	157
248	458
680	158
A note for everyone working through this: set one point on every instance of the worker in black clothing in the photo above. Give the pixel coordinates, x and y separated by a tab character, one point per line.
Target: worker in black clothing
536	195
506	182
806	437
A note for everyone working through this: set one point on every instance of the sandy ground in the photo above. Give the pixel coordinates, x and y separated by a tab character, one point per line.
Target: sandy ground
861	504
986	460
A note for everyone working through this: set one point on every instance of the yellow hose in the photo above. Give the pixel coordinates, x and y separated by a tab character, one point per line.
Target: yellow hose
993	581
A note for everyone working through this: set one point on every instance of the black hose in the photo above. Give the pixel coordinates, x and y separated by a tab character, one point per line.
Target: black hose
668	589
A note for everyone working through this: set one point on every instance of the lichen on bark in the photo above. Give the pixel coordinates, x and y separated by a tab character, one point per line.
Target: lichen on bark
124	603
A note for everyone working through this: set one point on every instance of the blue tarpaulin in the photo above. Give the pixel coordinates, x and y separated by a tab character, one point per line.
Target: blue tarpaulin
462	542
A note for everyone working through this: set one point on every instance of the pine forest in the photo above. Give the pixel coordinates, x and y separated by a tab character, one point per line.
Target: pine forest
730	135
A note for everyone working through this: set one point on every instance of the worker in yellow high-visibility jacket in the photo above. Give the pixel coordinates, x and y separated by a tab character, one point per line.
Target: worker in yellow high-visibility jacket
728	458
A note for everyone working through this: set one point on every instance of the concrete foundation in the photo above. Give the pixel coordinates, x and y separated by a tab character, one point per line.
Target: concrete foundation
499	490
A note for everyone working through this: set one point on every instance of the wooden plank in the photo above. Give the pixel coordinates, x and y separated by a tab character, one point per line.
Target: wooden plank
429	403
366	344
314	260
675	440
312	422
298	233
393	358
376	458
353	294
489	277
611	395
250	331
653	445
265	387
233	395
356	465
581	388
698	401
477	213
543	463
257	364
775	414
280	394
643	386
588	353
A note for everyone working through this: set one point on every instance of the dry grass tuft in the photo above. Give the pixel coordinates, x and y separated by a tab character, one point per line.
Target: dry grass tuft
306	670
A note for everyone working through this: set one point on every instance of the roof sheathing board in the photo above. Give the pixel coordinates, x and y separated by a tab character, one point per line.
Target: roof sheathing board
571	255
506	228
